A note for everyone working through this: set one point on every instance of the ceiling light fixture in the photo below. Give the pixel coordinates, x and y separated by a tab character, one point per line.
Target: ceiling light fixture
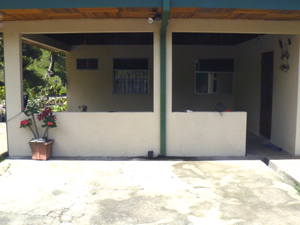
157	17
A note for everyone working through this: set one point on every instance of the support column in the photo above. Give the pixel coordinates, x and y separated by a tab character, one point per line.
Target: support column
297	138
13	74
164	24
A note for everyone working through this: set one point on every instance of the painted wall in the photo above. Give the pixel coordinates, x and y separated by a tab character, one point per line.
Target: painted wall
94	88
284	128
183	83
285	88
79	133
83	134
206	134
94	134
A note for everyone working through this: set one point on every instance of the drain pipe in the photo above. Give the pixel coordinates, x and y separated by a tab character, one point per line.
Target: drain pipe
163	56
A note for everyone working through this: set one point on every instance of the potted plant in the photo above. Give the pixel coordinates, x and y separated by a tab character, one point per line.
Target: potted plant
41	147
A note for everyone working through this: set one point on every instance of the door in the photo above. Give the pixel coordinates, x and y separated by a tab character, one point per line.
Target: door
266	93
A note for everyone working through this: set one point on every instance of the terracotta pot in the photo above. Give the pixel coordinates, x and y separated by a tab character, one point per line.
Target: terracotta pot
41	150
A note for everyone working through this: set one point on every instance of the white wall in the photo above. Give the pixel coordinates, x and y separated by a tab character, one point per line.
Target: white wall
285	88
94	88
83	134
94	134
207	134
183	83
74	128
285	97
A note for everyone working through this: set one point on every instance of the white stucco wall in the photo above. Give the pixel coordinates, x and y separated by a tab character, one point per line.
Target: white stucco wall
285	88
83	134
285	114
183	83
94	134
207	134
94	88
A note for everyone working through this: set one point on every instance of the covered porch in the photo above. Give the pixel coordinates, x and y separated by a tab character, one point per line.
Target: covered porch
162	128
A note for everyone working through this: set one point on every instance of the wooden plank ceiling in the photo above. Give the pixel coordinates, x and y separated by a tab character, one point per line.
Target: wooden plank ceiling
199	13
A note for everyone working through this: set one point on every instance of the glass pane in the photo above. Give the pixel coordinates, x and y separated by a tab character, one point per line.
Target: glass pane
224	83
93	64
201	82
81	64
214	83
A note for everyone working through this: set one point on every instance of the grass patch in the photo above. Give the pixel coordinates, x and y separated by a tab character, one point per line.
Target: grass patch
2	158
5	170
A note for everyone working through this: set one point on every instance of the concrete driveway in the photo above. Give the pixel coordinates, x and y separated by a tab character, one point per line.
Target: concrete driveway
144	192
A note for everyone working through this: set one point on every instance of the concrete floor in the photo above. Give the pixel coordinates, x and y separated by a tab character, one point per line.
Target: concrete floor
141	191
256	147
145	192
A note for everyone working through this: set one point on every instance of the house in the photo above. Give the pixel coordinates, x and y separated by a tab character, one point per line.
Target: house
155	74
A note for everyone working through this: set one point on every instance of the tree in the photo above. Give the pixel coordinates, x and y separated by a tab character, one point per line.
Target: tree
1	54
50	71
30	53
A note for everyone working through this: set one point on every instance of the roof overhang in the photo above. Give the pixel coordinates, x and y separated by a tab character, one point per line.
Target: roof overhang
18	10
231	4
42	41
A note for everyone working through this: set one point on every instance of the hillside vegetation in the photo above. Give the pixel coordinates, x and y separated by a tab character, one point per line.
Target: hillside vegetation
36	61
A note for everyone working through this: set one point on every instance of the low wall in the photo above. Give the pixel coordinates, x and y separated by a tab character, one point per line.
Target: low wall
134	134
93	134
206	134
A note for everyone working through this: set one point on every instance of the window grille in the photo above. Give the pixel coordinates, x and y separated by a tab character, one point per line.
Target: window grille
131	76
131	82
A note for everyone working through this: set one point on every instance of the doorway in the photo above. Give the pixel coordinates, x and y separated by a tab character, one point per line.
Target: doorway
266	94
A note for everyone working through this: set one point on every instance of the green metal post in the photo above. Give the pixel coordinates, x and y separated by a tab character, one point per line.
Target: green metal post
163	31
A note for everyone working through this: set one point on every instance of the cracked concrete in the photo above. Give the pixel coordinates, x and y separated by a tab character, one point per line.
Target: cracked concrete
145	192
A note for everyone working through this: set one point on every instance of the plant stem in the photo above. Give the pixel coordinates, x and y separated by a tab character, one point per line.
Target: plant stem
37	132
32	132
46	131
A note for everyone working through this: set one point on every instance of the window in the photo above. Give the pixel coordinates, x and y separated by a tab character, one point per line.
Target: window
87	64
131	76
214	76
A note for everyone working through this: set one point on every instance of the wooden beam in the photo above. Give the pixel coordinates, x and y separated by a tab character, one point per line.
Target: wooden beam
46	42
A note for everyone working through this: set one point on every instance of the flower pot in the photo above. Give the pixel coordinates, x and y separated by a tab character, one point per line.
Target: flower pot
41	150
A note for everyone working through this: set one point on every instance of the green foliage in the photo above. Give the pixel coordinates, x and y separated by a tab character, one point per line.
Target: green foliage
41	66
36	61
60	108
35	64
2	93
33	92
49	120
34	78
1	54
30	54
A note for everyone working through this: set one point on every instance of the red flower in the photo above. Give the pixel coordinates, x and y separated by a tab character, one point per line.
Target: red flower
50	123
24	122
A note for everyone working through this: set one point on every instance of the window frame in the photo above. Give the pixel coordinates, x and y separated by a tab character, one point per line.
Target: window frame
125	93
197	70
87	63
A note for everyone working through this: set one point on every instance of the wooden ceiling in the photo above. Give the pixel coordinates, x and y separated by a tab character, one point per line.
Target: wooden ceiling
78	13
98	13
